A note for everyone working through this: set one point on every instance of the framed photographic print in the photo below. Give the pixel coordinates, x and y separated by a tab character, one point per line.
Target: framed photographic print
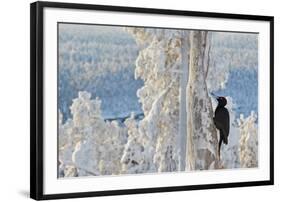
136	100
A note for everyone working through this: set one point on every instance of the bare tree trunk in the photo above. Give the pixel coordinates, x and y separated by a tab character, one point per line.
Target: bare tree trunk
183	83
202	143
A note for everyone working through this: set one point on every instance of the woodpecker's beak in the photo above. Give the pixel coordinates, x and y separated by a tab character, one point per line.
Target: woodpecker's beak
216	97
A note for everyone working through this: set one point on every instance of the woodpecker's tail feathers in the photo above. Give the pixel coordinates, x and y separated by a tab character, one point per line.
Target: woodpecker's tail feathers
220	142
224	137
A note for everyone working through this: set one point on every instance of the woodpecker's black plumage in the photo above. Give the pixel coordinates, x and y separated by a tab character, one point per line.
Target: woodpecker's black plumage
221	121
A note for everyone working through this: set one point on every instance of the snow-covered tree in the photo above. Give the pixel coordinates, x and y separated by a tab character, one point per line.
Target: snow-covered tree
248	141
68	138
137	156
202	143
157	65
95	146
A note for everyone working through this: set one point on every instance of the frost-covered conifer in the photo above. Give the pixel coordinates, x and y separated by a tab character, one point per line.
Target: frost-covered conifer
95	147
137	156
248	141
156	65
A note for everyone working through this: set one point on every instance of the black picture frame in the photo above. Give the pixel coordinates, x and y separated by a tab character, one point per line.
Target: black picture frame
37	98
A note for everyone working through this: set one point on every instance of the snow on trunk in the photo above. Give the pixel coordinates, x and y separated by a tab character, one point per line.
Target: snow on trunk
202	143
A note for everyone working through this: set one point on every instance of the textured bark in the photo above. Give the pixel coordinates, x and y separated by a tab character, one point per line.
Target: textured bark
202	143
183	115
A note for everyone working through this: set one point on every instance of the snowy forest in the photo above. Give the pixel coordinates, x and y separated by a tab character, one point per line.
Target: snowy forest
143	100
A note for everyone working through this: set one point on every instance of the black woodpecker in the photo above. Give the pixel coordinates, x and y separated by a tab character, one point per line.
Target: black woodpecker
221	121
